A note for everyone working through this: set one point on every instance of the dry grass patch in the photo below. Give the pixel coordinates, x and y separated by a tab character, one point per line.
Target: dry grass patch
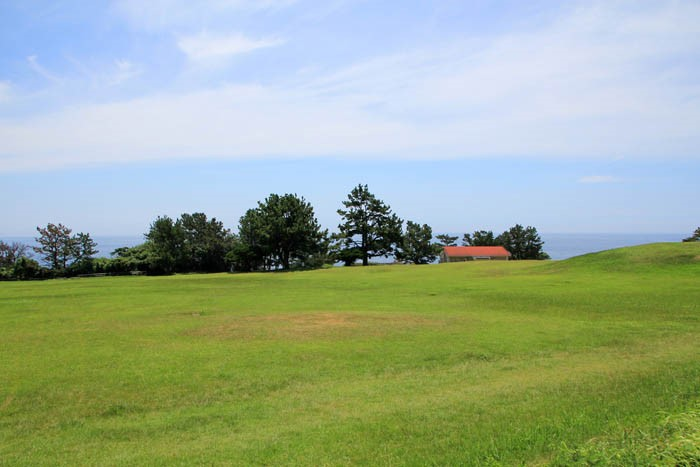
301	326
7	402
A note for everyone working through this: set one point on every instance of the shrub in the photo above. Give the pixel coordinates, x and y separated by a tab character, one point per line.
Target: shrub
25	269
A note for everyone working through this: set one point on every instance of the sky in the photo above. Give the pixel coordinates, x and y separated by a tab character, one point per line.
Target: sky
568	116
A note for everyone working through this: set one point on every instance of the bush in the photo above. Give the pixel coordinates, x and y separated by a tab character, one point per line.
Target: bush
141	258
83	266
25	269
348	256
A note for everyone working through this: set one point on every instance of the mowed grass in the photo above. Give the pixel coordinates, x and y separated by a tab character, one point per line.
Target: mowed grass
459	364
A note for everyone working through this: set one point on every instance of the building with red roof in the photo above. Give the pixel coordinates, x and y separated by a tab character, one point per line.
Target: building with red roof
453	254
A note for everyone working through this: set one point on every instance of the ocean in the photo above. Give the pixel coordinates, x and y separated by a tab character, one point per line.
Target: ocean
563	246
557	245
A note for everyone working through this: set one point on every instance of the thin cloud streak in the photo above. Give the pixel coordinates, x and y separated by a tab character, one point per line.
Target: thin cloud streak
34	64
124	71
205	46
596	179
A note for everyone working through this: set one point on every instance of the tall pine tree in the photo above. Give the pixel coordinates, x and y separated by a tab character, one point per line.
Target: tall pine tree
369	227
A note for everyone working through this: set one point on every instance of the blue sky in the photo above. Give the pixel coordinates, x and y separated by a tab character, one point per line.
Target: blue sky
570	116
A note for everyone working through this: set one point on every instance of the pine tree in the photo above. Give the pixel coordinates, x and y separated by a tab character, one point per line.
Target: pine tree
417	246
369	227
447	240
523	243
56	246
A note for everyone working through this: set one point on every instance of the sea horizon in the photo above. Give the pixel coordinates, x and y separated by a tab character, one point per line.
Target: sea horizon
558	245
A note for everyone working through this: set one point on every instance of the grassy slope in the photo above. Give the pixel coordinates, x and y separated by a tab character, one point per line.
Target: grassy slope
445	364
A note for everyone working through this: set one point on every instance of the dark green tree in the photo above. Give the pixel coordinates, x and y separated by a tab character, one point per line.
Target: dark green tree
695	237
251	252
368	225
139	258
243	258
293	233
281	232
447	240
416	246
26	268
523	243
84	248
343	250
205	243
165	240
480	238
56	246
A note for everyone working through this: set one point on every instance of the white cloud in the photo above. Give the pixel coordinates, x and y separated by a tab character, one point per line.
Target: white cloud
593	83
599	179
205	46
237	121
600	82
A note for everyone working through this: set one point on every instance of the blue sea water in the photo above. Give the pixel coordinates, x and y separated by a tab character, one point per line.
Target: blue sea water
563	246
557	245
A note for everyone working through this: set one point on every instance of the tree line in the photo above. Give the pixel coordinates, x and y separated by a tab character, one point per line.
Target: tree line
61	252
280	233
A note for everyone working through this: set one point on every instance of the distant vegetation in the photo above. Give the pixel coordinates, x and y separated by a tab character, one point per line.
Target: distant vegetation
281	233
61	252
695	237
521	242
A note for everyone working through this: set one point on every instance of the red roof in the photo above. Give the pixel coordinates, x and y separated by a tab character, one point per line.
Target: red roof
476	251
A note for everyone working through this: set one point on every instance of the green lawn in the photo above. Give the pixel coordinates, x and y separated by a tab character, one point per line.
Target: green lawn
459	364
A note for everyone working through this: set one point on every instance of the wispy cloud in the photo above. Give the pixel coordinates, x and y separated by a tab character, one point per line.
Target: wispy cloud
124	71
231	122
113	73
205	46
599	179
168	14
34	64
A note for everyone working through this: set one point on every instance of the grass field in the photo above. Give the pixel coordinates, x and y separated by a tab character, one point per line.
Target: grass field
459	364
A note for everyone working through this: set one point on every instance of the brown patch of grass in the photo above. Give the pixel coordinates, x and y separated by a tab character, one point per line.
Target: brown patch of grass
312	325
7	402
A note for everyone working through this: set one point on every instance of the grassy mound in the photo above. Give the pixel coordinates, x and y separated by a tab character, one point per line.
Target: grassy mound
455	364
643	257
